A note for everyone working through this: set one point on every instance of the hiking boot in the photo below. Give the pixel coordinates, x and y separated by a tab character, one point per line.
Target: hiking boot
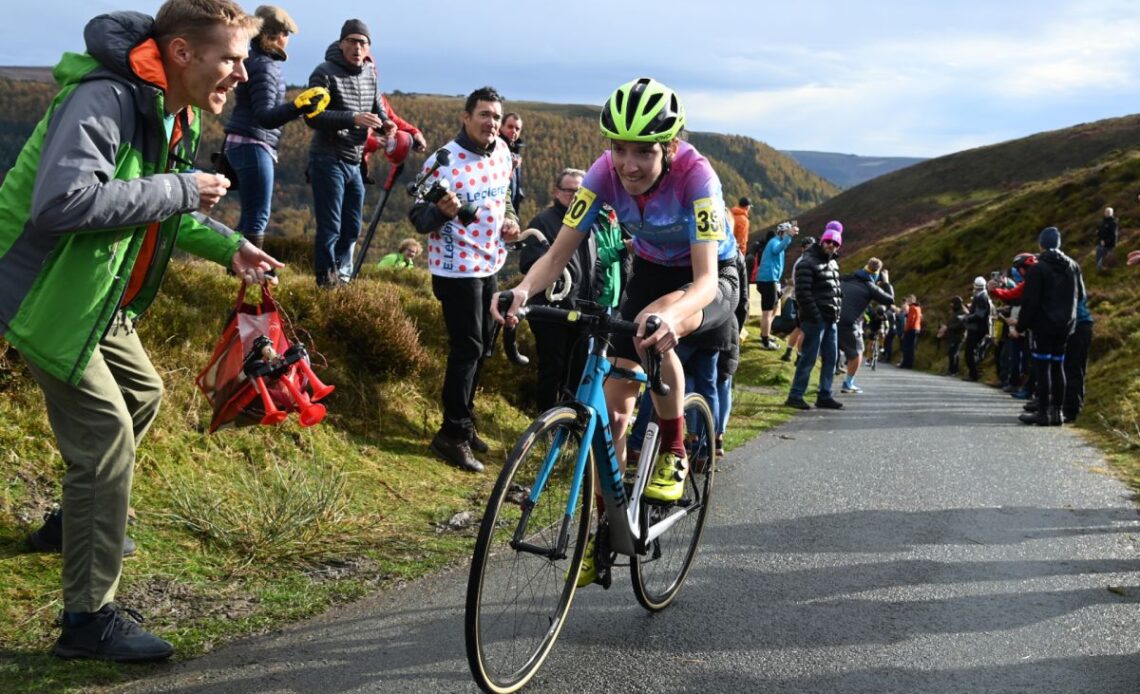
798	403
112	633
828	404
49	538
668	480
787	355
477	444
455	451
1040	419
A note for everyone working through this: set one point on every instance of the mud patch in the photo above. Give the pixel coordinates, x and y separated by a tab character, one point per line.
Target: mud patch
166	600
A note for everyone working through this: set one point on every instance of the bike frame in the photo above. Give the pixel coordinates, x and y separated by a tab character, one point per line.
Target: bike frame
629	530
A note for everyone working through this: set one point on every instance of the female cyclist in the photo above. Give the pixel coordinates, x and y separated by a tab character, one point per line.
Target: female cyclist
670	199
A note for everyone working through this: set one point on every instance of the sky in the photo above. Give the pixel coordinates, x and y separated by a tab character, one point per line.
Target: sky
884	78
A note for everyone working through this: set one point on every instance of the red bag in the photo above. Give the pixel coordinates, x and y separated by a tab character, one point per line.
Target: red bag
255	376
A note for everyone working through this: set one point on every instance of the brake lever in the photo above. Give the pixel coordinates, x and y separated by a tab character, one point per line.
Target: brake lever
653	360
510	334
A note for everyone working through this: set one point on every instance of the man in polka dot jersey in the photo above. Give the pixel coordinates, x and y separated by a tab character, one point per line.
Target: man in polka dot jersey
463	260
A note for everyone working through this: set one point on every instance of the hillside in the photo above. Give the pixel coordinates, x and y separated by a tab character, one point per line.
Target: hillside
557	135
939	258
849	170
939	190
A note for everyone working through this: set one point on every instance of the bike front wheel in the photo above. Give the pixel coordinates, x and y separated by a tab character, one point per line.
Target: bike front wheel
659	573
528	554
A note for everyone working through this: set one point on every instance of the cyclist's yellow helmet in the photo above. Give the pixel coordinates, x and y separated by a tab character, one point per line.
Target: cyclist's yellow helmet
643	110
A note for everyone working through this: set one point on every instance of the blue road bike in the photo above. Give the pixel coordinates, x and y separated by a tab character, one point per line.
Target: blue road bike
539	517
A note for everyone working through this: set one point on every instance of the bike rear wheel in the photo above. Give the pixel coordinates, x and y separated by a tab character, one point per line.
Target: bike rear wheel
659	573
528	554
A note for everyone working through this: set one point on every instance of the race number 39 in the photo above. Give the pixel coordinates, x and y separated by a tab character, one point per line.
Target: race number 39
710	220
579	206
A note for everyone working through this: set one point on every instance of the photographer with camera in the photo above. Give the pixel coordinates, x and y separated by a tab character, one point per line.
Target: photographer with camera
511	132
768	277
337	149
462	204
867	284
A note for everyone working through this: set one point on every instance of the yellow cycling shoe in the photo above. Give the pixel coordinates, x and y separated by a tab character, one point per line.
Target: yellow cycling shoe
668	481
589	572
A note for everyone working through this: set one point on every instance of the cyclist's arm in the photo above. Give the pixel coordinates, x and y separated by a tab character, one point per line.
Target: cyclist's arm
549	267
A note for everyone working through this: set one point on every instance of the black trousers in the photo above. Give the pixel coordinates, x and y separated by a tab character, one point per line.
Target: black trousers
973	338
1048	353
561	357
952	355
1076	365
466	303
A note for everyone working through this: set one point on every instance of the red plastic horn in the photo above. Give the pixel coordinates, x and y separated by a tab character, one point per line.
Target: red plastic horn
320	390
308	412
272	414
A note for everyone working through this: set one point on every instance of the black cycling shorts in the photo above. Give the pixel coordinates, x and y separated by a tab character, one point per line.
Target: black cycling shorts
768	295
649	282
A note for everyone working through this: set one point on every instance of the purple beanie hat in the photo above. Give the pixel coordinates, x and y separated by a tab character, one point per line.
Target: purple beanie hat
834	225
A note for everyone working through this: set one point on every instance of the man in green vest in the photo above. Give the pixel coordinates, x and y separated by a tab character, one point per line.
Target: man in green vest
100	196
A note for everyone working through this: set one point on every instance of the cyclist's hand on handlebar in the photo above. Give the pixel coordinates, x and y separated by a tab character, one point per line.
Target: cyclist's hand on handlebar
518	300
661	341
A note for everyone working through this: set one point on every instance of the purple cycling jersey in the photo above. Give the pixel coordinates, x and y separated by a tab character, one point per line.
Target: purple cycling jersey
686	207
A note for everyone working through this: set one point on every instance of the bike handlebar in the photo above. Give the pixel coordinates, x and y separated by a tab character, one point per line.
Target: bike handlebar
593	319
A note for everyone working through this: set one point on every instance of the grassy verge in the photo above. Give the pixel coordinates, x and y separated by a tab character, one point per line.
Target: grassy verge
246	530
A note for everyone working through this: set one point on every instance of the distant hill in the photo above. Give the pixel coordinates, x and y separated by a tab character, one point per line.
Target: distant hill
939	191
34	74
849	170
558	135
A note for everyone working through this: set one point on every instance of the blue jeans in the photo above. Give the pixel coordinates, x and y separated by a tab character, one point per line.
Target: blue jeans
819	338
338	201
254	166
724	404
700	377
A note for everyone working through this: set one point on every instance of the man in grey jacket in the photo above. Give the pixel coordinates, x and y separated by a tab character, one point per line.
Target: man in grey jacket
871	283
87	226
354	108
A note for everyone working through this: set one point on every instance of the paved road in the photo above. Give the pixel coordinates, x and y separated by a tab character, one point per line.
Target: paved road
919	541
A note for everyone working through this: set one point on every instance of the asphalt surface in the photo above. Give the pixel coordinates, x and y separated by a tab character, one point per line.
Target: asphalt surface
920	540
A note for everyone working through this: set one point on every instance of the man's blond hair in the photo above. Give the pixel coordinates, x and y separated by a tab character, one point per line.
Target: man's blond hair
196	19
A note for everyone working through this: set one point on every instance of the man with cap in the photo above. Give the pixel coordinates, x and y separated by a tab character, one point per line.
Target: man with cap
819	299
870	283
978	325
768	278
355	107
1053	290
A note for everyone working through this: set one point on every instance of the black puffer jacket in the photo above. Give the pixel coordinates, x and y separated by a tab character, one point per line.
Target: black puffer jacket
979	319
1052	290
261	108
352	90
819	297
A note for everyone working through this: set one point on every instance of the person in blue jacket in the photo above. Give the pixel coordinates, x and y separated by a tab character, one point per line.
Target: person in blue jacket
768	279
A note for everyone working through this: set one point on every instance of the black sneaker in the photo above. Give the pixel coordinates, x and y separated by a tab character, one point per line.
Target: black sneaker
798	403
49	538
787	356
477	444
828	404
455	451
112	633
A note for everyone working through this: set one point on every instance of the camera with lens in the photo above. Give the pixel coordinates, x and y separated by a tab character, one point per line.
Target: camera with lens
427	187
